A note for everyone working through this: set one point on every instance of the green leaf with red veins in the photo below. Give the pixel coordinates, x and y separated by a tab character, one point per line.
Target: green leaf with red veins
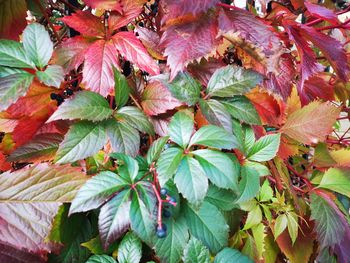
181	128
157	99
13	15
187	42
216	113
191	180
12	87
113	220
83	139
132	49
85	23
29	200
84	105
214	136
37	44
96	191
52	76
98	73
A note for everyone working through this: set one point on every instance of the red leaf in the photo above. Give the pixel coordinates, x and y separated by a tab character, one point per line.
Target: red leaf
160	125
157	99
316	87
26	129
151	41
13	18
11	254
189	41
132	49
70	54
174	9
86	23
4	166
321	12
98	68
105	4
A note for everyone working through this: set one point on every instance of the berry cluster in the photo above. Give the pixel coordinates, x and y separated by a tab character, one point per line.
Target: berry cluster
60	97
161	230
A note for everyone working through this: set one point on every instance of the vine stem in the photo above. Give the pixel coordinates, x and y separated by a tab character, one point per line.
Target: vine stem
48	20
135	101
229	6
160	206
319	20
291	168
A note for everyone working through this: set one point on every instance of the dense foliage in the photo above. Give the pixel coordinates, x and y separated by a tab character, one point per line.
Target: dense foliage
174	131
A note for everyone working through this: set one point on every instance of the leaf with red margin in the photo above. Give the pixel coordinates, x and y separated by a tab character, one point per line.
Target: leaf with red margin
186	42
174	9
132	49
85	23
157	99
98	67
302	249
13	15
321	12
11	254
105	4
270	109
332	227
29	200
130	10
316	87
70	53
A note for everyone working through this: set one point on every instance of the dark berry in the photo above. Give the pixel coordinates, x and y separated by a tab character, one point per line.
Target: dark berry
59	100
163	191
53	96
172	199
163	227
141	24
69	92
161	233
126	68
166	213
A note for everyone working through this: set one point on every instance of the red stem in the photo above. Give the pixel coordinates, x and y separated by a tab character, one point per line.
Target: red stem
319	20
228	6
291	168
160	206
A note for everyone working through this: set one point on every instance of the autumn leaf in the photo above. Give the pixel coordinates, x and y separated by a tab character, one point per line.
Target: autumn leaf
312	123
13	18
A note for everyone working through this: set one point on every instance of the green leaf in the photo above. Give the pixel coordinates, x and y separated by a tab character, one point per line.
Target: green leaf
41	146
208	225
123	138
130	249
168	163
249	184
142	222
219	168
5	71
121	88
245	136
231	255
337	180
292	225
213	136
259	168
101	259
29	200
94	245
12	54
114	219
156	148
37	44
265	148
185	88
242	109
196	252
232	80
280	225
83	139
216	114
259	239
52	76
84	105
266	192
180	129
96	191
221	198
191	181
171	247
135	118
12	87
254	218
130	166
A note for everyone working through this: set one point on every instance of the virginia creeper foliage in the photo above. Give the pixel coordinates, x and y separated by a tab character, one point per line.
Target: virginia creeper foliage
174	131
